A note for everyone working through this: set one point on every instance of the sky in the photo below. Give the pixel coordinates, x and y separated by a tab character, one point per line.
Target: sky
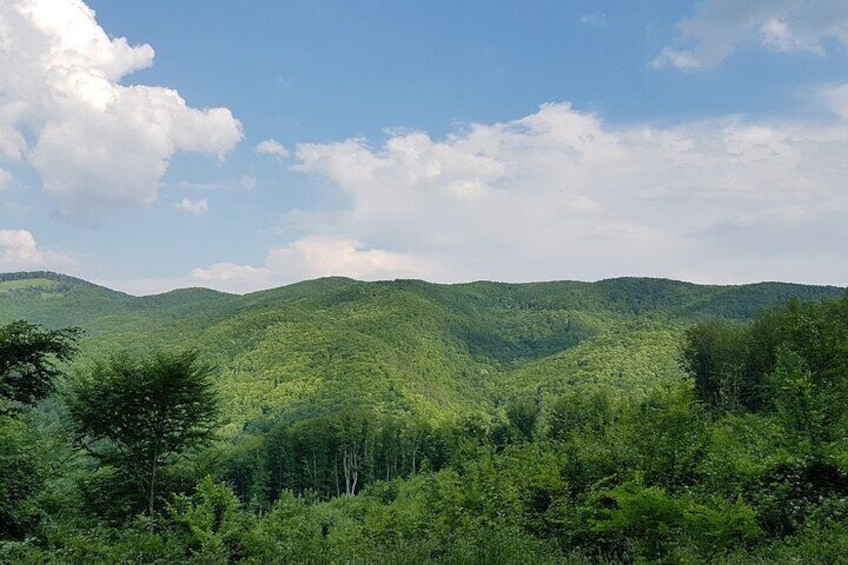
148	145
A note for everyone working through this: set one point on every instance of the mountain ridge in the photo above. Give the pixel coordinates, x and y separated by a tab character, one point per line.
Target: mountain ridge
406	346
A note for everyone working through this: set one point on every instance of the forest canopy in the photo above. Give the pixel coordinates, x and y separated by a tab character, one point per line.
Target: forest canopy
734	454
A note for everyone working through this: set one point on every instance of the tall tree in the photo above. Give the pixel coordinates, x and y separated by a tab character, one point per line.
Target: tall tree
139	415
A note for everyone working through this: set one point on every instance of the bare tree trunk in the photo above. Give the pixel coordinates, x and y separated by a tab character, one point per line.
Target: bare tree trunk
151	495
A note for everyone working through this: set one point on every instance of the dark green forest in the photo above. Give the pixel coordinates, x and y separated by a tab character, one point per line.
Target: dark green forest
336	421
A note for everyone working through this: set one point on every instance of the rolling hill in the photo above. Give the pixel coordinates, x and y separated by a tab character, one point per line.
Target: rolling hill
403	346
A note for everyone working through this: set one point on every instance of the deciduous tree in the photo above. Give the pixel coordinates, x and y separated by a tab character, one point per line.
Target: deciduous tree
139	415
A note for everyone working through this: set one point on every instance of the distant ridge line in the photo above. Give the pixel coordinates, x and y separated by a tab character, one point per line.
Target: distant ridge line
30	275
60	277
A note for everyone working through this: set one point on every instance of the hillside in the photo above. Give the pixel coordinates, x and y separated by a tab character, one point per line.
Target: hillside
403	346
409	422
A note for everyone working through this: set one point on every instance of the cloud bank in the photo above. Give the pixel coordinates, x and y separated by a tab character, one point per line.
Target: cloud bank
560	194
63	110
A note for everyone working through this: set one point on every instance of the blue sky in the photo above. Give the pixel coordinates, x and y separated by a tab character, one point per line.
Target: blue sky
154	145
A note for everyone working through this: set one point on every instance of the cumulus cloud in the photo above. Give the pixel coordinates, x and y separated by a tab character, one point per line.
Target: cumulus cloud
196	207
272	147
309	258
19	252
313	257
721	26
63	110
561	194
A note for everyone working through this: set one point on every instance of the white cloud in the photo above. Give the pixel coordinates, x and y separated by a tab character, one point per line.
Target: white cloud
19	252
309	258
196	207
560	194
230	277
272	147
313	257
95	142
721	26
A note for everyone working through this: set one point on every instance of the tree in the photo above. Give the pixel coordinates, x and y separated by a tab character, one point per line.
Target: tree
139	415
28	357
714	354
523	413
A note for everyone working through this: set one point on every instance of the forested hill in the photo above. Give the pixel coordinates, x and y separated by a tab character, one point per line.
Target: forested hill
54	299
402	346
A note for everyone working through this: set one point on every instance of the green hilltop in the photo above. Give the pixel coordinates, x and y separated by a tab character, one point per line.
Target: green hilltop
403	346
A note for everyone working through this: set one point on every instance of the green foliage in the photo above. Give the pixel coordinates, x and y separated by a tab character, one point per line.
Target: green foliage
714	354
665	436
792	361
28	357
209	524
647	522
523	414
399	347
138	415
22	474
574	414
406	422
802	407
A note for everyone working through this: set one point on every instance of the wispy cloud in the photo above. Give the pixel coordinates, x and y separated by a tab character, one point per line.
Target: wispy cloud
719	27
195	207
243	183
596	19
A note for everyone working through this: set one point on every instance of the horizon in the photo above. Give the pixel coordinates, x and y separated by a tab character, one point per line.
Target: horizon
152	147
49	274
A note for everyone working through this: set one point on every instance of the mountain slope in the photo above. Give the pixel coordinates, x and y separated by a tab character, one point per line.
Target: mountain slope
400	346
